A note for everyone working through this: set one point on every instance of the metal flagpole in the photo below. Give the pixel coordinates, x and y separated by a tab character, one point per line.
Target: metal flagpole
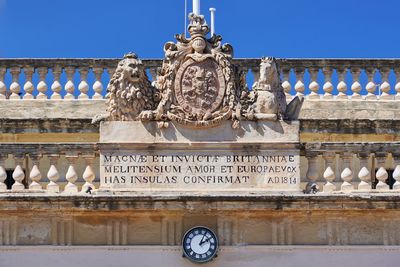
185	29
212	10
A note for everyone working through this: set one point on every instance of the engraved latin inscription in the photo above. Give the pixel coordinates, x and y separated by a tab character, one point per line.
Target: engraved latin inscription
275	170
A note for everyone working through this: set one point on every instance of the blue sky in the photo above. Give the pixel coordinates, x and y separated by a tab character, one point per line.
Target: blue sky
279	28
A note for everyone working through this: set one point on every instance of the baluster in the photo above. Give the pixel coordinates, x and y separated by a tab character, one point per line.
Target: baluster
385	86
56	86
42	86
312	171
243	74
396	172
53	175
71	175
83	85
69	86
88	174
356	86
397	86
98	86
28	86
14	87
299	86
342	86
314	86
35	174
3	173
18	174
3	87
256	73
347	173
381	174
371	86
286	83
110	72
154	72
328	86
364	174
329	174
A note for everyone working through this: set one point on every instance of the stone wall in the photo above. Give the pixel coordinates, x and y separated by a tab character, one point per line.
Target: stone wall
162	220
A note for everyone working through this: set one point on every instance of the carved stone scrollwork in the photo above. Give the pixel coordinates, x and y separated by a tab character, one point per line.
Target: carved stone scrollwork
197	79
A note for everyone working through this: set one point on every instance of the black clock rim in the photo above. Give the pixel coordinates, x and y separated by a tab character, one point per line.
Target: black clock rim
216	245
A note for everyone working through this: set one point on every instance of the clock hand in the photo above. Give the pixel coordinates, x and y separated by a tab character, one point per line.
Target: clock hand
201	241
205	241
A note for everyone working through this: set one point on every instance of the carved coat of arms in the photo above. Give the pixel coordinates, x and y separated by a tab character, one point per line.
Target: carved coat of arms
197	86
197	80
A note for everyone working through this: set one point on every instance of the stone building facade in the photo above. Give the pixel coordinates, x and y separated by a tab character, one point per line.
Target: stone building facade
57	132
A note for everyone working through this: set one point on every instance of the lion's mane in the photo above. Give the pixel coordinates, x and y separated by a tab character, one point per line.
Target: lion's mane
130	91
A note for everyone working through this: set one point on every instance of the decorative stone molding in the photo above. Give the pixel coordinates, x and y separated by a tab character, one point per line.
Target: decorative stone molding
337	231
171	231
282	233
62	231
228	231
8	231
117	231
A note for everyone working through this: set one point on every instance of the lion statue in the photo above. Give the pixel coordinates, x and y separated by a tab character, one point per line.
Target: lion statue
130	92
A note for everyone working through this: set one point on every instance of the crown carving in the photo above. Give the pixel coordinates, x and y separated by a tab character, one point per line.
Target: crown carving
198	26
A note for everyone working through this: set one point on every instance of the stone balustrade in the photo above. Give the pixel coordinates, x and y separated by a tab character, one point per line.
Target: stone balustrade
354	167
73	168
57	79
36	168
340	79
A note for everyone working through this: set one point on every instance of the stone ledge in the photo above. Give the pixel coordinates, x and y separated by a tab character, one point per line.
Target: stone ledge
325	116
277	202
350	110
233	256
51	109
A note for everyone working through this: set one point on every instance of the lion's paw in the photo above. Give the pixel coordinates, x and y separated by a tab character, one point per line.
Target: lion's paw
146	115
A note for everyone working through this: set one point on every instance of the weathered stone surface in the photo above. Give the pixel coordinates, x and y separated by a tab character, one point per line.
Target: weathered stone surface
261	156
341	117
162	219
51	109
349	110
200	171
250	132
268	90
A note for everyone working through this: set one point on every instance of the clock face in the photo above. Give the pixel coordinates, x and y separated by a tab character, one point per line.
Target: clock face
200	245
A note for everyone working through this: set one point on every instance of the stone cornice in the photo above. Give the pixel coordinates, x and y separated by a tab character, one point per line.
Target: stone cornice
186	203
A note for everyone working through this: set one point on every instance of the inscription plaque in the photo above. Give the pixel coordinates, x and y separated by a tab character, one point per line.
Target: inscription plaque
141	170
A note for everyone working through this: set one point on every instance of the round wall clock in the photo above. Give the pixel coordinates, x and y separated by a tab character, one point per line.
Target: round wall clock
200	245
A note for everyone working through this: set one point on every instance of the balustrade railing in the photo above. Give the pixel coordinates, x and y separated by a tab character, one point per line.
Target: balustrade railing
73	168
339	79
56	79
354	167
37	168
342	79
